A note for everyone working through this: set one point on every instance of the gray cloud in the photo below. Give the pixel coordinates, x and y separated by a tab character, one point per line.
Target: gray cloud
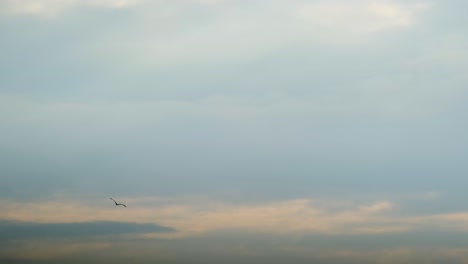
14	230
244	100
250	99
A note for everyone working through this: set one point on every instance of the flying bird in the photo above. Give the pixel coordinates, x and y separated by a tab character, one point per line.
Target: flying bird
117	204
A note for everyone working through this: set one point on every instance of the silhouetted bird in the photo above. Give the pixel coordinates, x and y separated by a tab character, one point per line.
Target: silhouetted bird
117	204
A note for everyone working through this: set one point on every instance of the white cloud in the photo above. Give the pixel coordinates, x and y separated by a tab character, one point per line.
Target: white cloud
360	16
53	8
177	32
378	207
248	29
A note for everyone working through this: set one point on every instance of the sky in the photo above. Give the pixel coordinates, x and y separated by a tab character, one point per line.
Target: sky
261	131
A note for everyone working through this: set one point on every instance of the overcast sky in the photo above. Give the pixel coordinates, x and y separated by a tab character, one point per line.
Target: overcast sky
325	131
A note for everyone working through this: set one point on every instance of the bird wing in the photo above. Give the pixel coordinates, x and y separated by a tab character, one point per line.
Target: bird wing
114	201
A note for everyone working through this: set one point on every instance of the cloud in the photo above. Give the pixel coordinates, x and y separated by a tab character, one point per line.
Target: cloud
268	101
284	217
361	16
326	231
45	251
171	33
13	230
246	30
378	207
54	8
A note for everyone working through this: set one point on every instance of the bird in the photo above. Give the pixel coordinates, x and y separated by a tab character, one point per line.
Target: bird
117	204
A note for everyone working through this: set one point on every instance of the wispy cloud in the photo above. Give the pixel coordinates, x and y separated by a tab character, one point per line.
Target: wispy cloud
54	8
284	217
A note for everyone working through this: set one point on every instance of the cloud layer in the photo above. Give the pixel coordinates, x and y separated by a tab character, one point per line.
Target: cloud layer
13	230
260	131
305	230
205	216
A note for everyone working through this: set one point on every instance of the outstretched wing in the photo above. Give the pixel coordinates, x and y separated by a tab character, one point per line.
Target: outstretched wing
114	201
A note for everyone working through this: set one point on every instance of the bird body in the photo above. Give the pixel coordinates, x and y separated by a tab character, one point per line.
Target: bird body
117	204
